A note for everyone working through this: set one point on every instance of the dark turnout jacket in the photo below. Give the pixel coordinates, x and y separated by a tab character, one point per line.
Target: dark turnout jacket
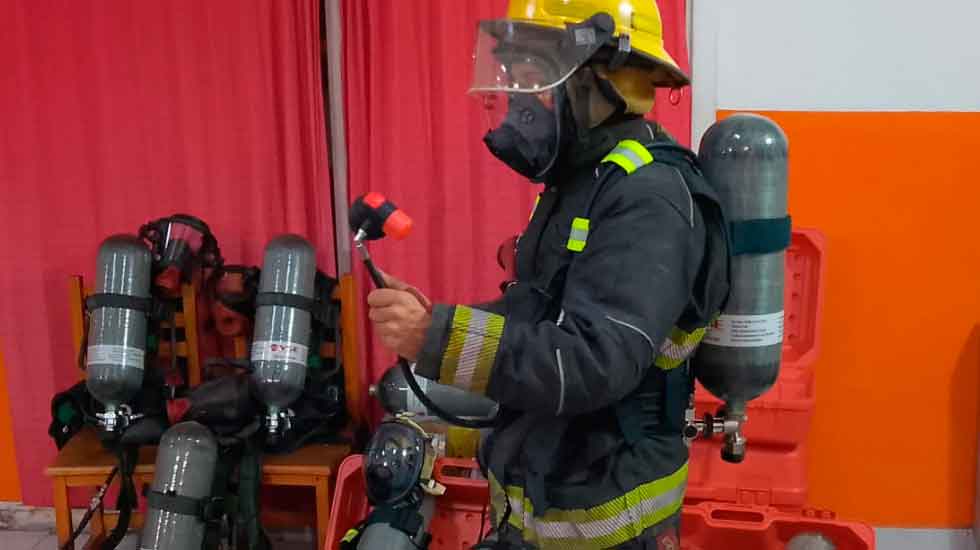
622	265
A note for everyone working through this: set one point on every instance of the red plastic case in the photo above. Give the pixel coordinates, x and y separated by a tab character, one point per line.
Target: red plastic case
461	512
756	505
710	526
774	470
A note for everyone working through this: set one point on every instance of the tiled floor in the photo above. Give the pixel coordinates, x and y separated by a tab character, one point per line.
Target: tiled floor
43	540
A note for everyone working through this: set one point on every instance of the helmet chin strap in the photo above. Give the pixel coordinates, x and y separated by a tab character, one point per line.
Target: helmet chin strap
559	94
594	100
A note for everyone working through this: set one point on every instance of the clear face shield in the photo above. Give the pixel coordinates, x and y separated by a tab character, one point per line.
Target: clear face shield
518	72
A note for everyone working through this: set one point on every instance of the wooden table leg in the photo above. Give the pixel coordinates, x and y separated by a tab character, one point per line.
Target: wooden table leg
322	511
62	511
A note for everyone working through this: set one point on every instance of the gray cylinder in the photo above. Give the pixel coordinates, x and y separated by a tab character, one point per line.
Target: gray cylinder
117	335
396	397
185	467
281	339
745	159
382	536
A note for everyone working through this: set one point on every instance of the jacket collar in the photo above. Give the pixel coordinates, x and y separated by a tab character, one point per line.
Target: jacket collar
587	151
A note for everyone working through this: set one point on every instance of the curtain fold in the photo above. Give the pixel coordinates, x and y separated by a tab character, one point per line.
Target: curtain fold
118	112
414	135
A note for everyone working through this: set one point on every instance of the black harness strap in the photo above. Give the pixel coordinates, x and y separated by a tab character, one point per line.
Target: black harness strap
285	299
124	301
324	311
127	455
203	508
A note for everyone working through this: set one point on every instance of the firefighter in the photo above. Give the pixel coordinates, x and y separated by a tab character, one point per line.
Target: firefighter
622	266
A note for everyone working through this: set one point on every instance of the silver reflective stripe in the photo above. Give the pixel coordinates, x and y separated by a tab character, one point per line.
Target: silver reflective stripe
561	383
603	527
627	325
676	351
579	235
469	357
628	153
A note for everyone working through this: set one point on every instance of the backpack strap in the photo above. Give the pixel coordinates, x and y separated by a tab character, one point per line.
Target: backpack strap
627	157
630	155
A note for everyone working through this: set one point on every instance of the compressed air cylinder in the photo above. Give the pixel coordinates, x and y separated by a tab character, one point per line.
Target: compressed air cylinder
396	397
117	335
745	159
185	467
280	342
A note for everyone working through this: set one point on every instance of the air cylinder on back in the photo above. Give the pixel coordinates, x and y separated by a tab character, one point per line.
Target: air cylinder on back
745	159
185	469
117	329
280	343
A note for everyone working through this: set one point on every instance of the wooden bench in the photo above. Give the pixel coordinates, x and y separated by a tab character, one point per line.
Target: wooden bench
83	461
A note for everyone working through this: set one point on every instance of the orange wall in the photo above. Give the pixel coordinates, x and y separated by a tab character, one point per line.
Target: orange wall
898	194
9	482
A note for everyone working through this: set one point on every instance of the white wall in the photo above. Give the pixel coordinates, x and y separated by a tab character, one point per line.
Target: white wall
835	55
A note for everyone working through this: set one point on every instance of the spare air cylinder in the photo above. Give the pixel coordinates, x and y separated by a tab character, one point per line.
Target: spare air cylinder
281	338
117	328
178	503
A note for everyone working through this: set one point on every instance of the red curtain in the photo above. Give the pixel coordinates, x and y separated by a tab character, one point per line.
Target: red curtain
415	135
117	112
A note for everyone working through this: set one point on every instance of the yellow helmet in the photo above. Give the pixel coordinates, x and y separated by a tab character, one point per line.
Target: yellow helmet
639	20
556	37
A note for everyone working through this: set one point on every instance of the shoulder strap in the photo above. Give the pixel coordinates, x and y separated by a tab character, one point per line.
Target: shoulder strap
630	155
627	157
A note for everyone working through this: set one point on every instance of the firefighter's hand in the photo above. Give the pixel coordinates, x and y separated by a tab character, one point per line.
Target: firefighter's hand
401	316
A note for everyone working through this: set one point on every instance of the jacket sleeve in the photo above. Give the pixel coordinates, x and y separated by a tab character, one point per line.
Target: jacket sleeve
622	296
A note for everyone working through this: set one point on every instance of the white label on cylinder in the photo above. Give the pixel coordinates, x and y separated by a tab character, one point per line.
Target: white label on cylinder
746	331
279	350
412	403
120	356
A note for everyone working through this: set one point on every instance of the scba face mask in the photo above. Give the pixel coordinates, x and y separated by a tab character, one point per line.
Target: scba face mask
529	138
520	69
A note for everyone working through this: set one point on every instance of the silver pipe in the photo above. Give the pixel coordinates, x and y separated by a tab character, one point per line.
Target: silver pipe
338	133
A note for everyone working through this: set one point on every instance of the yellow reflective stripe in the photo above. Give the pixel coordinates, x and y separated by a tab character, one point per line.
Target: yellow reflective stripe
474	339
457	338
351	535
630	155
579	235
623	162
678	347
603	526
535	208
638	149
